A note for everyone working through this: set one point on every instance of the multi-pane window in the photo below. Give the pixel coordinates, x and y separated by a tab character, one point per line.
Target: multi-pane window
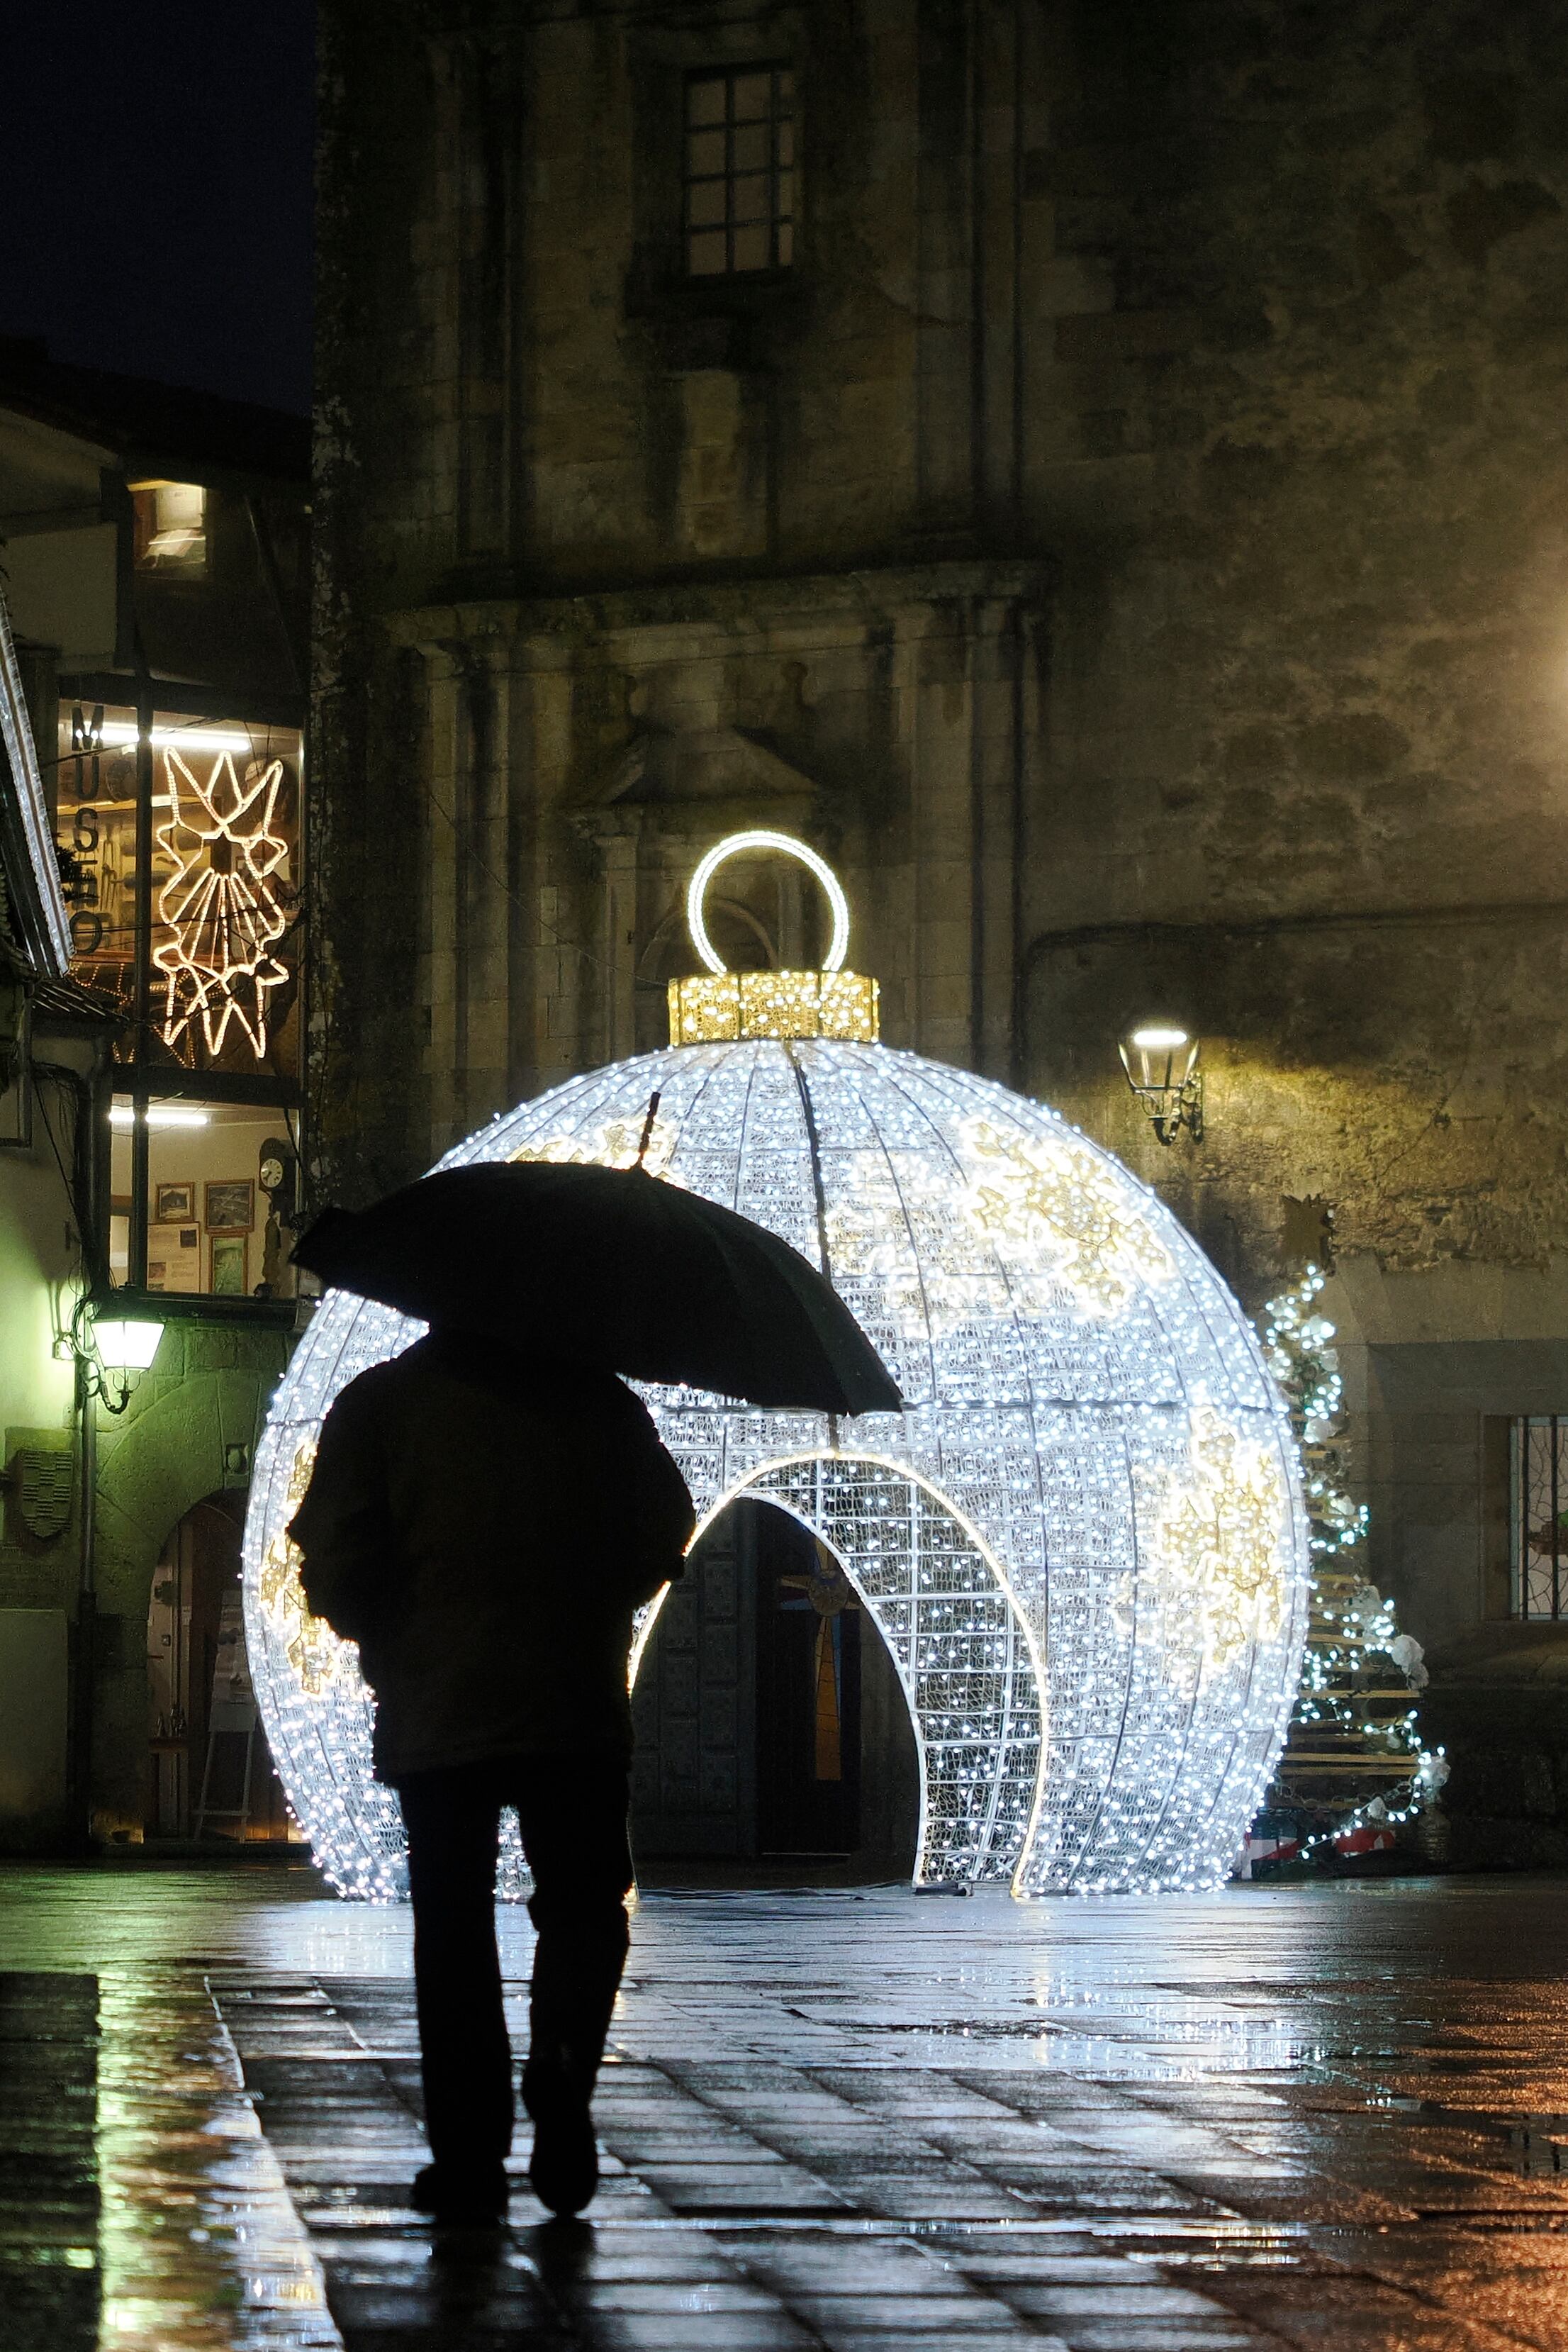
740	171
1539	1485
203	1153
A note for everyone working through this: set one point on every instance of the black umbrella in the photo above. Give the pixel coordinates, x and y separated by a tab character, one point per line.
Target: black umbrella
614	1267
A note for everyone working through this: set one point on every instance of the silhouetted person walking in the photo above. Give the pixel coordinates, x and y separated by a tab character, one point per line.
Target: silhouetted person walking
484	1527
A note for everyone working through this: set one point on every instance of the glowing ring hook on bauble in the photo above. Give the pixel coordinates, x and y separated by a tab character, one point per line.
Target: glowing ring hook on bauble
790	847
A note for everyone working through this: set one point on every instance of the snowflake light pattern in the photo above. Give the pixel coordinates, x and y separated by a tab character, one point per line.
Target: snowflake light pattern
1064	1198
221	905
1218	1524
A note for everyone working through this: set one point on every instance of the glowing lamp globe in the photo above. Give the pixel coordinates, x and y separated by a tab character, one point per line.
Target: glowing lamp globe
1083	1543
126	1345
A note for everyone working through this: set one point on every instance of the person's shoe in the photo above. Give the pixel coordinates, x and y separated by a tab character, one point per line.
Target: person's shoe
563	2170
470	2198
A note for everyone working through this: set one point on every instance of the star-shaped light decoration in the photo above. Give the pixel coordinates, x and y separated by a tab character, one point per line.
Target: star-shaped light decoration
221	904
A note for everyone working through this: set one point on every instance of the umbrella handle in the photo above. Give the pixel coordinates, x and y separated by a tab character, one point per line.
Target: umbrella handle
648	1127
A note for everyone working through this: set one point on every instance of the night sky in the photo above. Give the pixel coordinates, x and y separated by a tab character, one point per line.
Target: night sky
155	189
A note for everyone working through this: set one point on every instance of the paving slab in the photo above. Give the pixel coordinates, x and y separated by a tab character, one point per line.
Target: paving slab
1329	2116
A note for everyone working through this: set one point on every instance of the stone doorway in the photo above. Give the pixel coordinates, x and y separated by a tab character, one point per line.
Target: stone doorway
209	1768
773	1735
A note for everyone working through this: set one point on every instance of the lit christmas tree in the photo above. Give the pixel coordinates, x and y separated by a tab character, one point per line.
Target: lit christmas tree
1353	1765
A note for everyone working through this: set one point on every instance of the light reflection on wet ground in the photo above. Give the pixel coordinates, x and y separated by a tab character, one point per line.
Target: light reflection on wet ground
1324	2114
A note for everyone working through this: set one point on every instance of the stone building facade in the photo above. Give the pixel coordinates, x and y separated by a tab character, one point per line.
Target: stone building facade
1117	512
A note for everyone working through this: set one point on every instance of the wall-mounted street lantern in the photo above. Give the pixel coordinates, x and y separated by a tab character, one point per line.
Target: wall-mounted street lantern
1160	1058
121	1348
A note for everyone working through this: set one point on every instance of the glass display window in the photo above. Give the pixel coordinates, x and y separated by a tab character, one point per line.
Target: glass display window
222	910
220	1192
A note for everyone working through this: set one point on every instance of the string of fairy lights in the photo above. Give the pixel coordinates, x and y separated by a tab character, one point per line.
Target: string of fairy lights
1354	1757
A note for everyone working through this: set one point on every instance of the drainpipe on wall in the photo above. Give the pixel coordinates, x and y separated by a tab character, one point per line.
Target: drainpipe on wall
86	1643
88	1195
92	1203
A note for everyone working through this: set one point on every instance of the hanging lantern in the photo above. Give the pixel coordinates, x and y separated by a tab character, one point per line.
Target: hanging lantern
1083	1543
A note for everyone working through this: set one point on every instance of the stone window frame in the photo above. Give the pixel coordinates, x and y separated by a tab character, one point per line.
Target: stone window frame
719	175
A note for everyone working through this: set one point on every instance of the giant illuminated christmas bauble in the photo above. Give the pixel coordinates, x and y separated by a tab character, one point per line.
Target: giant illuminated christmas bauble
1082	1542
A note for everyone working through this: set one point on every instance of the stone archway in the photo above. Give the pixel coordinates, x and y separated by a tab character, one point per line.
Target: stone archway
190	1432
961	1646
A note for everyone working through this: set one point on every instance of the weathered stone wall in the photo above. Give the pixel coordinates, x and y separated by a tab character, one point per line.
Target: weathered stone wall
1311	686
1309	692
526	407
1131	538
882	717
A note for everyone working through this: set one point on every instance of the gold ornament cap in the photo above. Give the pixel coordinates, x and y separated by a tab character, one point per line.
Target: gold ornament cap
718	1005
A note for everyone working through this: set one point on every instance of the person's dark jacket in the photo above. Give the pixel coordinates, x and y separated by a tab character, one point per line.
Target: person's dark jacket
483	1528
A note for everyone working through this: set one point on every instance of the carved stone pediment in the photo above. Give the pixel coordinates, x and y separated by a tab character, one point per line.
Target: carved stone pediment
696	781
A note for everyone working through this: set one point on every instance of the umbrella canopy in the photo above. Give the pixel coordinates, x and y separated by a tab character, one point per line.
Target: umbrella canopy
609	1266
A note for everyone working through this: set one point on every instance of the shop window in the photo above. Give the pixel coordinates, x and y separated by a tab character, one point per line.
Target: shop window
224	890
1538	1515
170	527
219	1198
740	171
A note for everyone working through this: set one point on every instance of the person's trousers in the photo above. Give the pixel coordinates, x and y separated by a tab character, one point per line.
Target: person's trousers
571	1810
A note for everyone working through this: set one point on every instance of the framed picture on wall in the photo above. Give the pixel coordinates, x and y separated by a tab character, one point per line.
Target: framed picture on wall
231	1204
227	1255
173	1205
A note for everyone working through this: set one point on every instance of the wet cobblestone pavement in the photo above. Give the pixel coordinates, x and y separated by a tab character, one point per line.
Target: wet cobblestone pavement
1330	2116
